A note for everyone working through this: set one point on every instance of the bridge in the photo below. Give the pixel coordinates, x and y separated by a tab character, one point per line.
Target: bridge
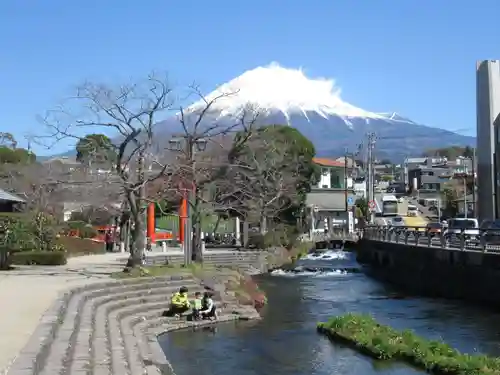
421	236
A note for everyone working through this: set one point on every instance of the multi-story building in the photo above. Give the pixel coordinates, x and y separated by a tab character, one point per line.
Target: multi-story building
328	199
488	108
429	175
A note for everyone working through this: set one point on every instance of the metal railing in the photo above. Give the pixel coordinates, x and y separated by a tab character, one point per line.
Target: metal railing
335	234
486	240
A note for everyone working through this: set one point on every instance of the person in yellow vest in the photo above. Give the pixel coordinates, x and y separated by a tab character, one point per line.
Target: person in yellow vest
179	303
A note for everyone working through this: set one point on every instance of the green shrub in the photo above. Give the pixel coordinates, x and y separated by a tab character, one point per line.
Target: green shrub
365	334
279	236
80	246
301	249
256	240
28	231
42	258
84	230
16	232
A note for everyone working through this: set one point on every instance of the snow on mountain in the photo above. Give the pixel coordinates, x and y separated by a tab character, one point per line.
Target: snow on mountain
277	89
314	106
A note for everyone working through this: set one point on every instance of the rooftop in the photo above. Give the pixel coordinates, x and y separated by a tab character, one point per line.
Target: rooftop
328	162
5	196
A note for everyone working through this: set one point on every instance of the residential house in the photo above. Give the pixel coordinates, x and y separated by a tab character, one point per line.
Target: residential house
68	208
9	202
428	175
328	200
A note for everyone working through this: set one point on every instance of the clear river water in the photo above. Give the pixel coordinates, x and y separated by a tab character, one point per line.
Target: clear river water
285	341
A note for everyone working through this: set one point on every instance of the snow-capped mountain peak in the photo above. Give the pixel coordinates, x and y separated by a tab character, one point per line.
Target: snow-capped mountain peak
275	88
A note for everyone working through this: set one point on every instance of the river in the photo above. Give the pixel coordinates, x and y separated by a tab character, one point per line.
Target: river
285	341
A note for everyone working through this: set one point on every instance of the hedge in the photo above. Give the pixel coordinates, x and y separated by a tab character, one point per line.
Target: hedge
42	258
80	246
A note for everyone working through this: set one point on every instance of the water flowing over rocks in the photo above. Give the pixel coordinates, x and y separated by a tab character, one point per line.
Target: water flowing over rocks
111	328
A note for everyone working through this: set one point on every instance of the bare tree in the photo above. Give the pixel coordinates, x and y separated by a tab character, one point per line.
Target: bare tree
130	114
200	157
47	186
266	178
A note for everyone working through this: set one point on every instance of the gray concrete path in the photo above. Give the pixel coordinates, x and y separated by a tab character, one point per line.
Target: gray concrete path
26	293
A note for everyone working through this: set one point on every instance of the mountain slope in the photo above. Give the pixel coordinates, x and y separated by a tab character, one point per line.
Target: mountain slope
315	107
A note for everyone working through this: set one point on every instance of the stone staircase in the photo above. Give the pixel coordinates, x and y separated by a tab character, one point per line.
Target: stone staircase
254	259
111	328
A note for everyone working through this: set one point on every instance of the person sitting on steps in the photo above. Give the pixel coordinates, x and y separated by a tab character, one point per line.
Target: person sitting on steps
209	310
179	303
197	304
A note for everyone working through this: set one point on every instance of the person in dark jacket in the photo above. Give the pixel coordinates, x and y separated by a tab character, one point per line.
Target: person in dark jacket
108	238
208	310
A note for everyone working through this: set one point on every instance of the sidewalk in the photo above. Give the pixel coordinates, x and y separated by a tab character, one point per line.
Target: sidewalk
26	293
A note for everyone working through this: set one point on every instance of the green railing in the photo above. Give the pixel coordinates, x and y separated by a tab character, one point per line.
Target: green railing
208	224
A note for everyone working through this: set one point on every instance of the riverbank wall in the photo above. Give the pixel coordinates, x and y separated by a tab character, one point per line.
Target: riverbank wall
436	272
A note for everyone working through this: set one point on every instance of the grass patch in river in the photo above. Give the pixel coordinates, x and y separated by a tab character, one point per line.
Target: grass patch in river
366	335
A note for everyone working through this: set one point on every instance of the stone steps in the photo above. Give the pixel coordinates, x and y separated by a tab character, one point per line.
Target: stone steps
226	258
108	329
70	333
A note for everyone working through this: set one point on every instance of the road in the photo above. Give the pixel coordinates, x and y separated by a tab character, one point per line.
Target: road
378	209
410	221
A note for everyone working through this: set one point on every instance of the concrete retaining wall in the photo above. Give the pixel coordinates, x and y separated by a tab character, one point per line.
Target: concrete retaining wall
473	276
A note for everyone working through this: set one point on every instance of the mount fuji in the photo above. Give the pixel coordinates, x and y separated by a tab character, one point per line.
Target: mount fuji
316	109
314	106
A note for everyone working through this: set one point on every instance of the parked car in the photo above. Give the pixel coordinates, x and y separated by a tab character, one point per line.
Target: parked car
491	230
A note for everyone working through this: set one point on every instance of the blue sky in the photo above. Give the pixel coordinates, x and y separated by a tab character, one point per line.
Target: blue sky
413	57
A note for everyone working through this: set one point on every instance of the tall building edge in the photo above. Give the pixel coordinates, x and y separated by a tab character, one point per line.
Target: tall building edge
488	108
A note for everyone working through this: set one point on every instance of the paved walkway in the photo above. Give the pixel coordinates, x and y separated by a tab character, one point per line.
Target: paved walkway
26	293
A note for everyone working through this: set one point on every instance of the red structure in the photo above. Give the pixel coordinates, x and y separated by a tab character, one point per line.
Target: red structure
182	220
151	222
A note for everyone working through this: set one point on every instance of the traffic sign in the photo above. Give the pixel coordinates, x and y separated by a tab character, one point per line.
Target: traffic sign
371	204
350	200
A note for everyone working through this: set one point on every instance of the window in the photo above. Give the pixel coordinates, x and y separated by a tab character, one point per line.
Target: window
324	171
336	179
